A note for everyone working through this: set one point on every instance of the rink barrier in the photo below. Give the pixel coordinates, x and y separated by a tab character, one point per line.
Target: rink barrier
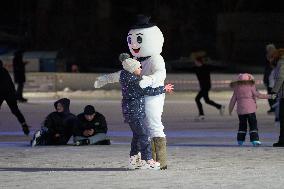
49	82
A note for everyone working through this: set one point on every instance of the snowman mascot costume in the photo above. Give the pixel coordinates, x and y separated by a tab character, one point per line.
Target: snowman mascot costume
145	41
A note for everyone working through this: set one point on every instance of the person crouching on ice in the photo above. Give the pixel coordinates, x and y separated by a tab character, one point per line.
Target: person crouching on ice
133	109
91	129
245	94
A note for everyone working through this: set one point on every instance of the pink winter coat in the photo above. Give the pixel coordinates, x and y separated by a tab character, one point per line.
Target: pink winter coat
245	95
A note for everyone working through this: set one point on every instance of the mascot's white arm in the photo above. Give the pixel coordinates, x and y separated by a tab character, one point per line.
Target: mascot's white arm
158	75
113	77
107	78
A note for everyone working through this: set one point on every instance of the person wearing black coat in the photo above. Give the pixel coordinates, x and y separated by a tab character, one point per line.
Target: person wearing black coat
19	74
8	94
269	65
57	127
91	128
202	72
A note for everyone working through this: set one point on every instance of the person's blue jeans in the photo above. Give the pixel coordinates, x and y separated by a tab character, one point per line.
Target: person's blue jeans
93	139
140	140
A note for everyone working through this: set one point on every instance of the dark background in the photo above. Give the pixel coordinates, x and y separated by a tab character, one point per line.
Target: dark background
92	33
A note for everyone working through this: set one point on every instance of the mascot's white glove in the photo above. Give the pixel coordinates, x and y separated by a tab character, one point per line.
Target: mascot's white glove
107	78
146	81
101	81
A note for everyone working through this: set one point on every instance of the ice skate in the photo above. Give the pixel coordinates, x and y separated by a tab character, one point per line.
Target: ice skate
150	164
25	129
199	118
82	142
36	139
256	143
135	162
240	143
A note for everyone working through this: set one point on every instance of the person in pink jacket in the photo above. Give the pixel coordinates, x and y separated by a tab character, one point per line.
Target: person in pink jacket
245	94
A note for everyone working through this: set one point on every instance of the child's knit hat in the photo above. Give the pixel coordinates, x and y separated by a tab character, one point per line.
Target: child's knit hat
245	77
131	65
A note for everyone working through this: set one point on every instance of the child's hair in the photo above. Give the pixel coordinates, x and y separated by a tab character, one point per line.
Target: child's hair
276	55
270	47
198	56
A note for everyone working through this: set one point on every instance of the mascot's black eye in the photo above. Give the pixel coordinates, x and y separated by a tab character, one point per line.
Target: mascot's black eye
129	40
139	39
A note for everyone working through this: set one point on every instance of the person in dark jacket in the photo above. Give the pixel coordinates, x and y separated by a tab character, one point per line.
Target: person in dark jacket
19	74
133	110
8	94
57	127
270	50
91	128
279	90
202	72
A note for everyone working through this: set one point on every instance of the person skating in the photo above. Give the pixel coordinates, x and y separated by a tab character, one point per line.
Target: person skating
245	94
8	94
202	72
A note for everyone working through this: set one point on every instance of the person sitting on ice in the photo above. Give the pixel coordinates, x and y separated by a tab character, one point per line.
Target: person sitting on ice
58	126
91	129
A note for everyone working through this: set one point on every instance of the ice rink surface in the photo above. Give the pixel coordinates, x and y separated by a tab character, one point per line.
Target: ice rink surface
200	154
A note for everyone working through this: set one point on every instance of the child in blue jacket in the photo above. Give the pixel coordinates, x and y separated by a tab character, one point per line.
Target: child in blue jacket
133	110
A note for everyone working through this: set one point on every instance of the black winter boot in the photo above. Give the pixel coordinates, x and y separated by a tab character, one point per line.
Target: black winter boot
278	144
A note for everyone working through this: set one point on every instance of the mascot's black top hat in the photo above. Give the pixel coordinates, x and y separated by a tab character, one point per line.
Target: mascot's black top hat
142	21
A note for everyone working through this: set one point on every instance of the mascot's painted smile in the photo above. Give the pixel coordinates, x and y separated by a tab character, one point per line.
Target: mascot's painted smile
134	41
136	50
